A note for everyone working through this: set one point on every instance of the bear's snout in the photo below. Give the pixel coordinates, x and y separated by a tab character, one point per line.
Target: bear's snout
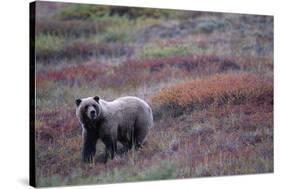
93	114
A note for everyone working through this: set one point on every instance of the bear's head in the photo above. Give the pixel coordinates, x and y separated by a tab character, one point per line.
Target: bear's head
88	110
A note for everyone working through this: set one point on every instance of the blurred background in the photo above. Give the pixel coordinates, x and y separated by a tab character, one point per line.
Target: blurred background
208	77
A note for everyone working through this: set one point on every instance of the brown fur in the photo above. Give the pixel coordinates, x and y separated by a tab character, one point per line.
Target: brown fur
125	119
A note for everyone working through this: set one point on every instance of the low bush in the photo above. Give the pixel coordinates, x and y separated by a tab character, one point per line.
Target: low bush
74	74
65	51
166	170
78	49
219	89
82	50
69	28
208	26
165	51
48	43
112	35
112	49
90	12
186	63
138	72
82	12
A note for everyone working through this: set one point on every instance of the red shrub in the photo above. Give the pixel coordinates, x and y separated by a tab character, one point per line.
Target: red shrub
71	74
218	89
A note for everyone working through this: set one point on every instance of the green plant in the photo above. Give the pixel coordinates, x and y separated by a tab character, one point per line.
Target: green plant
165	51
208	26
70	28
46	42
97	11
115	35
165	170
82	12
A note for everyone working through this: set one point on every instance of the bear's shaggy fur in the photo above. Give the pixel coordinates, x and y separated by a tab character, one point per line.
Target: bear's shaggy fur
126	119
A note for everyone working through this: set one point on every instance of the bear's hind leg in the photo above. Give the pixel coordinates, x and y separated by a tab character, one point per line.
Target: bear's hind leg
127	145
139	133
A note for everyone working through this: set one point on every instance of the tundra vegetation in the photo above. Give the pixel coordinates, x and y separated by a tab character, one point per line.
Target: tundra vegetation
207	76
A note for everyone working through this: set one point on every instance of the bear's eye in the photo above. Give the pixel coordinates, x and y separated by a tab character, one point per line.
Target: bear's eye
86	107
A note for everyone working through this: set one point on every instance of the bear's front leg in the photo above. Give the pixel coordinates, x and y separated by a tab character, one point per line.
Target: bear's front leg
89	146
111	147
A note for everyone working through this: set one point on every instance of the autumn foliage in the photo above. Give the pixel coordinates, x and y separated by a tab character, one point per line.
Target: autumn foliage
233	88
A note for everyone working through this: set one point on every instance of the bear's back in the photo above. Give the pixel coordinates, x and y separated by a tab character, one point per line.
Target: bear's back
126	107
127	102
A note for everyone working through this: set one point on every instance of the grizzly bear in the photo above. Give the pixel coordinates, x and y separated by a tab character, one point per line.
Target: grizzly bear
126	119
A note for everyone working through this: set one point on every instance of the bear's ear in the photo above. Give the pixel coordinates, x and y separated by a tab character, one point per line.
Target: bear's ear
96	98
78	101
